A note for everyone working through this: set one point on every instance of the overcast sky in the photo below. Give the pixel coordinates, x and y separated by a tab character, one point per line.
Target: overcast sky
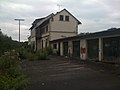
95	15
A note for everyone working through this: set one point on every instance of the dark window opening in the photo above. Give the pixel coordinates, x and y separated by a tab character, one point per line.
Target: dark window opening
55	46
61	18
46	28
66	18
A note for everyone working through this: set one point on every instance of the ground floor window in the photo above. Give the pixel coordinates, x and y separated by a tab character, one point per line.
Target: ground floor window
55	46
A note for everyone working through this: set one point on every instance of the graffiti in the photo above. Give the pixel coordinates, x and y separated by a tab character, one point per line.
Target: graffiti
83	50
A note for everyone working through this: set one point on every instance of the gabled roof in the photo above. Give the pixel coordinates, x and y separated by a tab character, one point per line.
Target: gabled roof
70	14
35	22
46	18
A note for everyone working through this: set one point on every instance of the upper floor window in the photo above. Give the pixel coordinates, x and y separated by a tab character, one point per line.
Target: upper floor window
61	18
66	18
46	28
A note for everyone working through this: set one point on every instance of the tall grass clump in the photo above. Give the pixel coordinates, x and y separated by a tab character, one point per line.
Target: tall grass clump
42	54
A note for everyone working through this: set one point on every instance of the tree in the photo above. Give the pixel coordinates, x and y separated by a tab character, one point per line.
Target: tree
6	43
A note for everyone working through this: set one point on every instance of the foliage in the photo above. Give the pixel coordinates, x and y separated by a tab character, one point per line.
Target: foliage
42	54
7	44
27	53
11	76
49	50
31	55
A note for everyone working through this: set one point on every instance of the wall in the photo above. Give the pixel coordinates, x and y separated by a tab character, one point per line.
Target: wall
58	35
63	28
83	49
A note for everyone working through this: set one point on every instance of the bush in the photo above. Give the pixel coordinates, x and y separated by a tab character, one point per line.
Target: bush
42	54
10	83
118	66
31	56
11	76
49	50
27	54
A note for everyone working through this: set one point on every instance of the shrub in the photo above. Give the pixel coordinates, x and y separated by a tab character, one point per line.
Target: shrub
27	54
10	83
31	56
11	76
49	50
42	54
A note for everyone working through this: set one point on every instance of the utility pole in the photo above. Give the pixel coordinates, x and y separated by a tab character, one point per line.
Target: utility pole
19	25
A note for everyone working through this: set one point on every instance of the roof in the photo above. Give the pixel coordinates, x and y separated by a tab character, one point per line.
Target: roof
107	33
45	19
35	22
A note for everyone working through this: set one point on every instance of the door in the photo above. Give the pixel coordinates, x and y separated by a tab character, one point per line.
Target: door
65	48
93	49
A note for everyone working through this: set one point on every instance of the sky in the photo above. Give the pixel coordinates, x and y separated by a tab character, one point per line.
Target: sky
95	15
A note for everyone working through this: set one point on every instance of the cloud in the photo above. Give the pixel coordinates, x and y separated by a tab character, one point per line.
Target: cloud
95	15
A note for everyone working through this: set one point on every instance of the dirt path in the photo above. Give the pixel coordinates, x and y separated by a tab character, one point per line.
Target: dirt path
60	74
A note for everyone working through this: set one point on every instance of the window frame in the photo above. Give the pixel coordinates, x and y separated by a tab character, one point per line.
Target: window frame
61	17
67	18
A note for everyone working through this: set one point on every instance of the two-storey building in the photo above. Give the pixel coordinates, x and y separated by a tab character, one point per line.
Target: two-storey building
54	26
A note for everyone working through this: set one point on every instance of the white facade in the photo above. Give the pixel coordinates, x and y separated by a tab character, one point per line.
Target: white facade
54	26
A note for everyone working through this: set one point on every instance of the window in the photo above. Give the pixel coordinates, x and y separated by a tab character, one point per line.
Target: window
54	46
46	28
61	18
66	18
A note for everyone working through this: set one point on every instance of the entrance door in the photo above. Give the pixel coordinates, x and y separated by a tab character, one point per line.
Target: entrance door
92	46
65	48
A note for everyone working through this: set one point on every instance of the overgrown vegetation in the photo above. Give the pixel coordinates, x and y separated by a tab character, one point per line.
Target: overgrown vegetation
31	55
11	76
42	54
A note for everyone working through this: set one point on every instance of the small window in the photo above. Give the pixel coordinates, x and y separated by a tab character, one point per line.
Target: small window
54	46
46	28
61	18
66	18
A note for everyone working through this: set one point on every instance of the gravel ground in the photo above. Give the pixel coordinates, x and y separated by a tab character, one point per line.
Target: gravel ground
61	73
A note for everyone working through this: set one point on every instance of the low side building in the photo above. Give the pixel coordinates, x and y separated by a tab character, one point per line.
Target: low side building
101	46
